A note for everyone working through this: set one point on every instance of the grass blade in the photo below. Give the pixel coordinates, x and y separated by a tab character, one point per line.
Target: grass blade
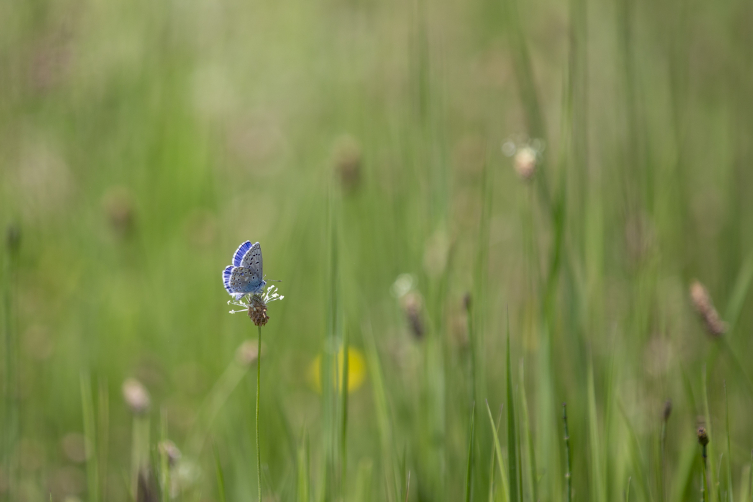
730	490
711	449
528	440
469	467
220	476
384	425
304	489
164	461
498	449
597	475
683	480
739	292
512	433
344	415
568	473
87	404
491	464
363	481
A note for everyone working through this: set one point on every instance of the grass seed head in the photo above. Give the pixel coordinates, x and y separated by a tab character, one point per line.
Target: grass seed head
667	410
412	304
703	436
702	303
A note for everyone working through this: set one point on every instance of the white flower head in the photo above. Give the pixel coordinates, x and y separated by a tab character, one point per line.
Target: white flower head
271	294
526	154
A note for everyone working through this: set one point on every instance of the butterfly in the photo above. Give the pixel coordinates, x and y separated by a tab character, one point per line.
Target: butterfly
244	276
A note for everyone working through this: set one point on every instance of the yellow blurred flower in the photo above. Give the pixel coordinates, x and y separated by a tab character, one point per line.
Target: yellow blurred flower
356	370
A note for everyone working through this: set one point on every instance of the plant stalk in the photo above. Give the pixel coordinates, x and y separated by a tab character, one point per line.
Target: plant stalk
568	475
258	392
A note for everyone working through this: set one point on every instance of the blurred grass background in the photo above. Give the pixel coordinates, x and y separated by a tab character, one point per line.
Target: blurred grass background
142	142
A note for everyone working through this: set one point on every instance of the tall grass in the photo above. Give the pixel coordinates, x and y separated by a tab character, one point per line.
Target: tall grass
359	141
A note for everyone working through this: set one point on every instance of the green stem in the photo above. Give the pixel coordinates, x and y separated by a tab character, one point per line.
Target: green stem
704	487
568	474
662	472
258	392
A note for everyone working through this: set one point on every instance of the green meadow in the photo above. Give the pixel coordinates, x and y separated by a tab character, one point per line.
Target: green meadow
495	207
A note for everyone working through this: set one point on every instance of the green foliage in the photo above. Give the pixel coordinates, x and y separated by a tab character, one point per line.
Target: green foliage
141	142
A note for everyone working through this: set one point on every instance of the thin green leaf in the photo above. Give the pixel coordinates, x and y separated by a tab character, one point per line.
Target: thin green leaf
220	476
469	467
498	449
512	436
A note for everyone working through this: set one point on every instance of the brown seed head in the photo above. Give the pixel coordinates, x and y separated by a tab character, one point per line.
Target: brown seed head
702	303
136	396
667	409
703	436
412	304
257	311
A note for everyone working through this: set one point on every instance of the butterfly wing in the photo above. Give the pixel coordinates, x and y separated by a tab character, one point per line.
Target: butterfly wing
244	276
244	280
252	259
226	278
240	253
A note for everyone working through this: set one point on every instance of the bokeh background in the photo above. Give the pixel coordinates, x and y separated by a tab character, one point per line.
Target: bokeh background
425	178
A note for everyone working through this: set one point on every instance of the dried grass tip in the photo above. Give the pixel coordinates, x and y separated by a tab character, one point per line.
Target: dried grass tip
702	303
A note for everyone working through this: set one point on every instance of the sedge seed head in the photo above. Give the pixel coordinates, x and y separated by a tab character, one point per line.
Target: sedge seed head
412	304
667	410
703	436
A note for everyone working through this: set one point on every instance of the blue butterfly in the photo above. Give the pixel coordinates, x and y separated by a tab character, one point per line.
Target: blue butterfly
244	276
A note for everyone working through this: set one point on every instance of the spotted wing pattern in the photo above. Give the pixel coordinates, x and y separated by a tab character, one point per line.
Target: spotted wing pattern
244	280
244	276
252	259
